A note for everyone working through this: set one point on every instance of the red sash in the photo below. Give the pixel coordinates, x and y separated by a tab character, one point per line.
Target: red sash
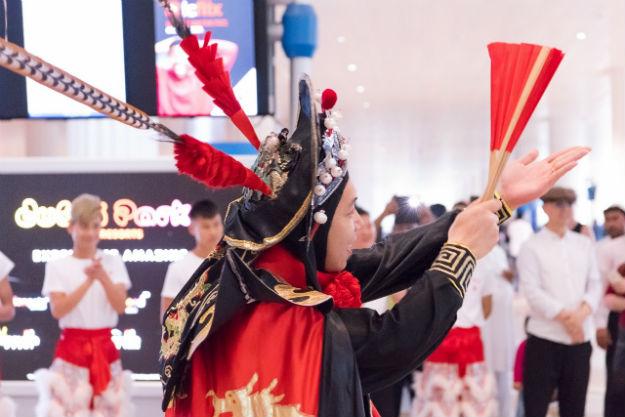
91	349
462	346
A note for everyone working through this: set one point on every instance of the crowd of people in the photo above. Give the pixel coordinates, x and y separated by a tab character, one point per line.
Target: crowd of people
573	289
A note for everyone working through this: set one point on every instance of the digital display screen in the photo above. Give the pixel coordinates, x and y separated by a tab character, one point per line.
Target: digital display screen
128	49
145	223
231	24
84	37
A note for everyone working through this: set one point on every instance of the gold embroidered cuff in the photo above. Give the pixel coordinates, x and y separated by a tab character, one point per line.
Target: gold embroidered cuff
505	212
457	263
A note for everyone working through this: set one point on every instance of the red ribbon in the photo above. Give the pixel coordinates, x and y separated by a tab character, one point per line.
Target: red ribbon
91	349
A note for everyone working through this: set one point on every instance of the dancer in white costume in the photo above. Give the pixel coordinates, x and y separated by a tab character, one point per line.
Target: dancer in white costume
7	312
498	331
455	380
87	292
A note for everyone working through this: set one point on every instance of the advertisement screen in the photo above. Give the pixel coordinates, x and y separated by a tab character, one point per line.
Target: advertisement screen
231	24
83	37
146	218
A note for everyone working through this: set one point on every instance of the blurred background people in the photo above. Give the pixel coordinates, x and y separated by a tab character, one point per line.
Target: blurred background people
498	330
610	255
207	230
559	277
87	291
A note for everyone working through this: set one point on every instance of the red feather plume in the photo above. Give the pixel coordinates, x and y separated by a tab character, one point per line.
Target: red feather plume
214	168
210	71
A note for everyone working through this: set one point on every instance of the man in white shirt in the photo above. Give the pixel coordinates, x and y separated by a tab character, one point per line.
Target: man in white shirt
560	279
207	229
610	254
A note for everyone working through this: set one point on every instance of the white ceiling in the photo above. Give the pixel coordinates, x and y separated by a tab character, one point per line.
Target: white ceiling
425	71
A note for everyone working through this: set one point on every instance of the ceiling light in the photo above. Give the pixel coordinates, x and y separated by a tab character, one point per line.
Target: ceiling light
352	67
581	36
340	39
360	89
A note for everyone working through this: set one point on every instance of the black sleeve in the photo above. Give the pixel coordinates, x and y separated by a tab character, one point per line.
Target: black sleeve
391	345
395	263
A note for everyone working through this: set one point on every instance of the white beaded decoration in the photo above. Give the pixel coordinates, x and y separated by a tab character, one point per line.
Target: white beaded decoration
343	154
329	123
336	172
319	190
330	163
320	217
325	178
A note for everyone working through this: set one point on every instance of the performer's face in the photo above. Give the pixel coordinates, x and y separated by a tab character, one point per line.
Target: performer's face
85	235
207	232
365	235
343	230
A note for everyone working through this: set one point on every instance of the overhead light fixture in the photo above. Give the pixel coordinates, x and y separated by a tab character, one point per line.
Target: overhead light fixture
340	39
352	67
581	36
360	89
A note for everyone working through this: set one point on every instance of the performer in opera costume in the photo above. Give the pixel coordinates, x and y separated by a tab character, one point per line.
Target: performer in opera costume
87	292
271	324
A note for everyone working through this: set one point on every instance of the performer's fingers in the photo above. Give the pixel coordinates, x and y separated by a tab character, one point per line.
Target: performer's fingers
564	169
563	152
493	205
529	157
572	155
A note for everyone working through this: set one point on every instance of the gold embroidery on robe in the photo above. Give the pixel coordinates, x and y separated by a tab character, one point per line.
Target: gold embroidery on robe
242	403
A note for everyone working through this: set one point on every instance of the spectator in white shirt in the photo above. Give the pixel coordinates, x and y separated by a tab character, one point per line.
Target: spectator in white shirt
7	311
87	291
498	331
610	254
559	276
207	229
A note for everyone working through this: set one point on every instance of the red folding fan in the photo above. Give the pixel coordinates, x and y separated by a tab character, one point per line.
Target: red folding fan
519	76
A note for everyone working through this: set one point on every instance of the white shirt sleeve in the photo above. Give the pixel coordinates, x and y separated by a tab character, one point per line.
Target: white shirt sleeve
120	273
170	286
5	266
594	287
53	280
530	279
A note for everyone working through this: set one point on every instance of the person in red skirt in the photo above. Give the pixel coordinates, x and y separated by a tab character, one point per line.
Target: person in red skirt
7	312
87	293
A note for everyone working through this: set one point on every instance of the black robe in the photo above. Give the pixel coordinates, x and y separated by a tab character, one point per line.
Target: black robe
363	351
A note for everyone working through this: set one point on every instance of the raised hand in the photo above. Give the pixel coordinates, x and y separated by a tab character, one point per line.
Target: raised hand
476	227
526	179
